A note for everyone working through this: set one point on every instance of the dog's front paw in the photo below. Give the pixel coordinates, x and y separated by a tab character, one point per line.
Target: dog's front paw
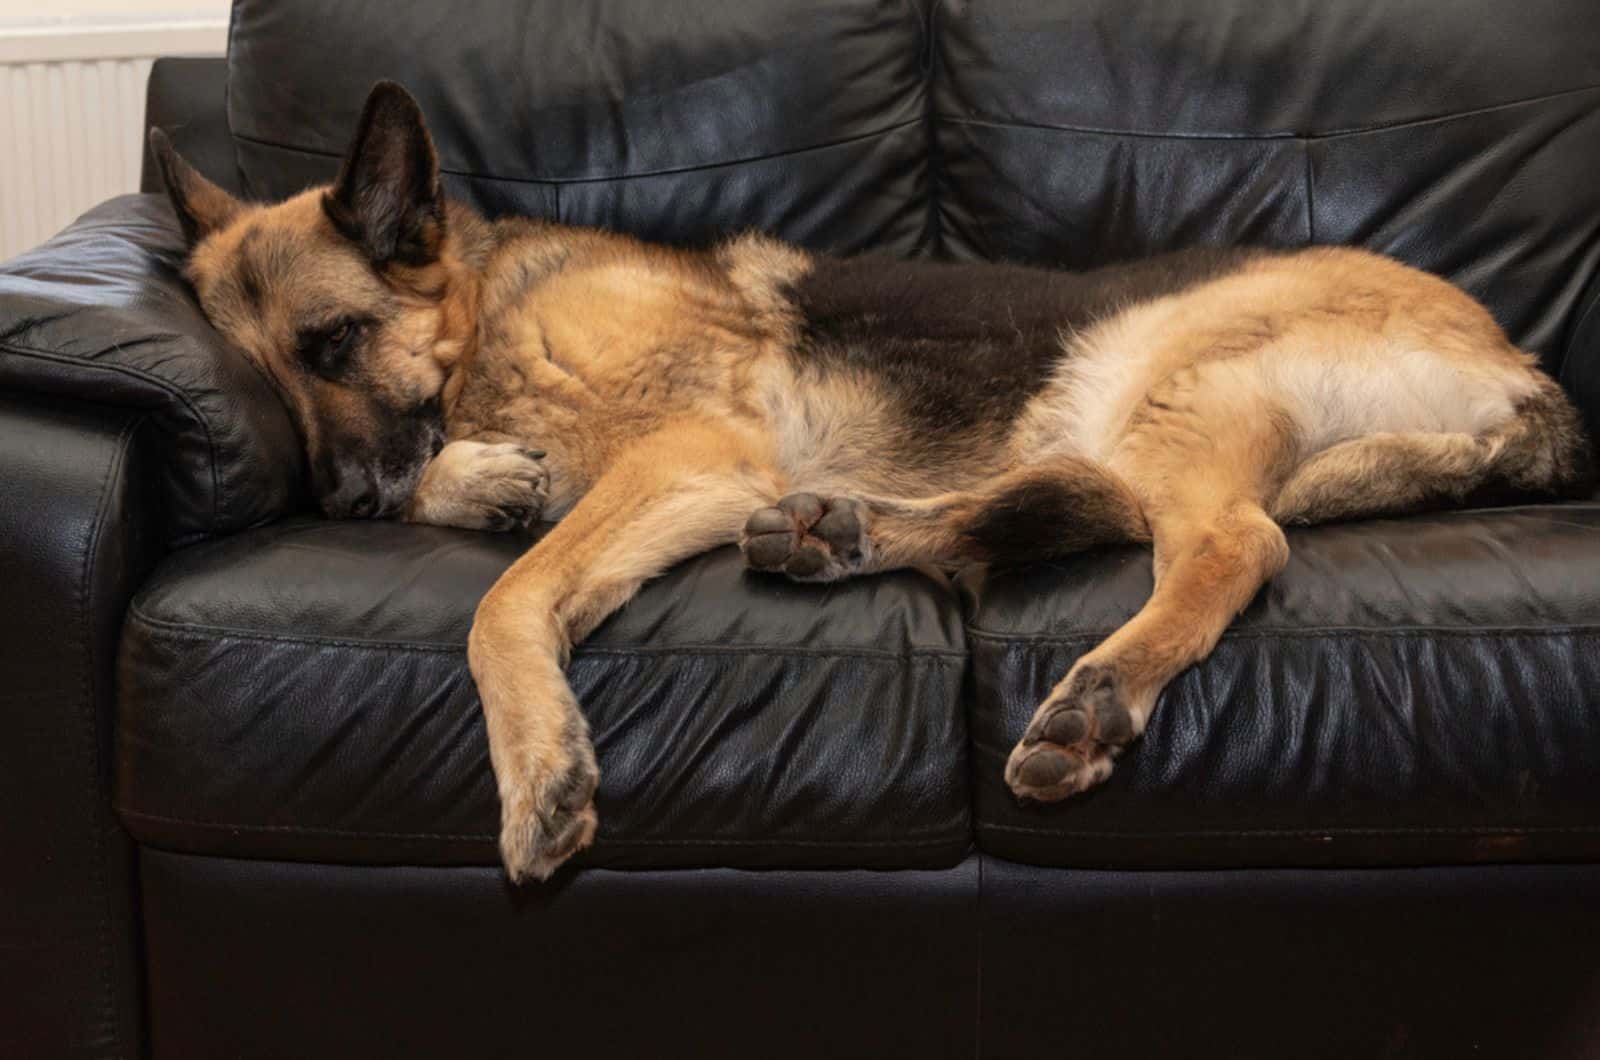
482	486
547	811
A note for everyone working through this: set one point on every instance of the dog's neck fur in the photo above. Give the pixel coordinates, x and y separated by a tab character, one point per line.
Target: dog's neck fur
469	241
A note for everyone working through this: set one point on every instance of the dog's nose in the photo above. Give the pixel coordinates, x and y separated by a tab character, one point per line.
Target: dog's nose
354	496
364	504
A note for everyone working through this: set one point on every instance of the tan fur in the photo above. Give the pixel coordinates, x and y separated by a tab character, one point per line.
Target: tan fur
660	388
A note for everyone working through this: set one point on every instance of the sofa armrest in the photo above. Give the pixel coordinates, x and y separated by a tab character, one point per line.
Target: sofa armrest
79	528
102	314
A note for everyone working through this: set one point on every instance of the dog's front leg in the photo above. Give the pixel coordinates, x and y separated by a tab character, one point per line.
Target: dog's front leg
678	492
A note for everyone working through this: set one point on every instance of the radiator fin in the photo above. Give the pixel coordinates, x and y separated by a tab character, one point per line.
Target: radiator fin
71	136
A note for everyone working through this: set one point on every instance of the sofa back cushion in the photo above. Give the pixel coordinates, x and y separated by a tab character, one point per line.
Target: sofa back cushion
678	120
1462	137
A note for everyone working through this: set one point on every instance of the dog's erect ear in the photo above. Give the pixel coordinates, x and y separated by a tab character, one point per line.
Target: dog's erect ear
202	207
387	197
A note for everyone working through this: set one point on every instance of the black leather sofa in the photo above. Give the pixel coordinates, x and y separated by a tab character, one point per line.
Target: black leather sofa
245	791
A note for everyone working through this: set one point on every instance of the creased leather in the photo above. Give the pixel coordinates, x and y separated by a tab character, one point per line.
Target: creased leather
302	691
690	123
1406	692
1459	137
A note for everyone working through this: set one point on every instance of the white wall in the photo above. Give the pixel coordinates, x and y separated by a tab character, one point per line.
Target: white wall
29	11
72	101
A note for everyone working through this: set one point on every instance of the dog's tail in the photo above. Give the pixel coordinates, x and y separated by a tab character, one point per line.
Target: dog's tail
1052	509
1543	448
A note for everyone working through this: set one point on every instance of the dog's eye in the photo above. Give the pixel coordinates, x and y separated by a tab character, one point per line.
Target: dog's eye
327	351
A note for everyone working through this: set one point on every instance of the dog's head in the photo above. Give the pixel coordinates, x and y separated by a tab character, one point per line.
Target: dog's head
352	298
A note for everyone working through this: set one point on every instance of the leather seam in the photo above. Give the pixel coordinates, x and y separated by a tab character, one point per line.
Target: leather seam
485	837
218	498
185	631
979	907
1297	833
1325	633
86	691
1311	201
666	172
1144	134
930	76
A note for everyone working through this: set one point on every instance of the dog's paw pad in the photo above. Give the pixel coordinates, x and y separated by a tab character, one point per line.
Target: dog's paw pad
809	538
1069	744
1064	727
1044	768
803	508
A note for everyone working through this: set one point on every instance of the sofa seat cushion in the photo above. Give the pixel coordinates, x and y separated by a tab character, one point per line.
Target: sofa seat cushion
301	691
1408	691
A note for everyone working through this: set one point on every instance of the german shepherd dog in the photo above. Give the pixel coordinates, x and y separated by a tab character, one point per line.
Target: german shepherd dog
837	417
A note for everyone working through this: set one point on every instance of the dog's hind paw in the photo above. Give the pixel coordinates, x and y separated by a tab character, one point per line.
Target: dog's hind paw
809	538
1074	735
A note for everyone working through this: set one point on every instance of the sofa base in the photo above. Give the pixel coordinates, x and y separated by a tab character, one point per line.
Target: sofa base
988	959
1491	961
276	959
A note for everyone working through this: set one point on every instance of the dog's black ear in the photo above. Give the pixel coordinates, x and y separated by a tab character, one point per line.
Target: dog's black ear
202	207
387	196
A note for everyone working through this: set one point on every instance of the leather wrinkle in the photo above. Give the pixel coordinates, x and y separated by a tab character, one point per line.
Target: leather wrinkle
208	634
1330	134
1567	361
620	177
933	223
1297	833
1314	634
690	841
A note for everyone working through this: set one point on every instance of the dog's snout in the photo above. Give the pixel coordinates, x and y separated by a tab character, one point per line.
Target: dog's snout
354	496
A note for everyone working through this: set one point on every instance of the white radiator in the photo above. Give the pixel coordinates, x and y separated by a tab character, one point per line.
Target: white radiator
72	116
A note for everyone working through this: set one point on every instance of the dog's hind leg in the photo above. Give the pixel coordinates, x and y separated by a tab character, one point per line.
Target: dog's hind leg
1540	449
1214	558
673	494
1202	452
1052	508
